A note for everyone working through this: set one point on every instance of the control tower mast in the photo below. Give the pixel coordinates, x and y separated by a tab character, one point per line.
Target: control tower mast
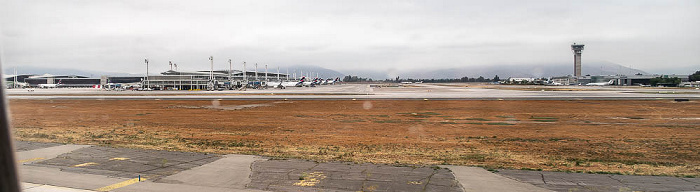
577	58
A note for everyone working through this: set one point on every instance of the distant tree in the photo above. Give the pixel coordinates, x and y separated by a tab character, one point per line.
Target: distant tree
694	77
480	79
397	78
661	80
496	78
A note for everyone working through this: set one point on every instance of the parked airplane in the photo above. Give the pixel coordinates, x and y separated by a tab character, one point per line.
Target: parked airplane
285	84
305	83
601	84
50	85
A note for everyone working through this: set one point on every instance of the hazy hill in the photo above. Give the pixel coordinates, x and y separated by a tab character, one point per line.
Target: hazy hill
308	69
505	71
62	71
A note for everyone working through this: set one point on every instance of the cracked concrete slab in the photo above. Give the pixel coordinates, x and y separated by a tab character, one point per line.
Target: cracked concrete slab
301	175
128	163
479	179
561	181
231	171
42	154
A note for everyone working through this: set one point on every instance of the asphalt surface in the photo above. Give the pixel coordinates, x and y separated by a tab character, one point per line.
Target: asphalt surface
561	181
58	167
300	175
373	92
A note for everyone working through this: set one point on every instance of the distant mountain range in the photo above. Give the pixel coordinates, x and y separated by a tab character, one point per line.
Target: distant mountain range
542	70
61	71
311	71
503	71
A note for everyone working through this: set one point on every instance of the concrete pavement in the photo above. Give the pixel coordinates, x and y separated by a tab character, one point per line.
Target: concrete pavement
479	179
561	181
79	168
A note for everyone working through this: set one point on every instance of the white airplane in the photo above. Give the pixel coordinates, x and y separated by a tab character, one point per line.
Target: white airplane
285	84
601	84
50	85
22	85
305	83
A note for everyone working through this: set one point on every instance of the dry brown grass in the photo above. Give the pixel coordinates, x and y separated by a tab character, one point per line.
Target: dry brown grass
627	137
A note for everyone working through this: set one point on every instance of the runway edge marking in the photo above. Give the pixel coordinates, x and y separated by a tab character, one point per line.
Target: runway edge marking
120	184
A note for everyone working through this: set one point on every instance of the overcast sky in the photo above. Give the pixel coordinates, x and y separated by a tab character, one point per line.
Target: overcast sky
656	36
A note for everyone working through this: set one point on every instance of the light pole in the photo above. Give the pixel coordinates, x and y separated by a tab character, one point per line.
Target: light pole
256	71
147	83
14	79
266	73
230	70
245	78
179	77
211	71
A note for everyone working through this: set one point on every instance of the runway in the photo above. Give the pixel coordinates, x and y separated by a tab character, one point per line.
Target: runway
378	92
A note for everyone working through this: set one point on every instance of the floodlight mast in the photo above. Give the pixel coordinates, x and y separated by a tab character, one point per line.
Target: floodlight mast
14	80
147	83
230	70
245	75
256	71
179	77
211	71
278	73
266	73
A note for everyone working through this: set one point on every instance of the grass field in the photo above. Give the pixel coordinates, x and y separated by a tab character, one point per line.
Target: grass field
619	137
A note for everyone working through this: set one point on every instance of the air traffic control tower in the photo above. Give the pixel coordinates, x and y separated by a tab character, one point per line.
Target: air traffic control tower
577	59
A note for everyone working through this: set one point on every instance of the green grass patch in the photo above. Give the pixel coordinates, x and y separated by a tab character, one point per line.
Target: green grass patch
351	121
388	121
499	123
546	120
505	116
477	119
532	117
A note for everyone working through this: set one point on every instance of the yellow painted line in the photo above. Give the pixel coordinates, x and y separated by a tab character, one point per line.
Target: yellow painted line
120	184
30	160
85	164
118	159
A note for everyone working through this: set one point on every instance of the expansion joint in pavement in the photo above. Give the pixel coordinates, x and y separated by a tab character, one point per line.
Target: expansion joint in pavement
427	181
148	170
616	179
684	179
543	180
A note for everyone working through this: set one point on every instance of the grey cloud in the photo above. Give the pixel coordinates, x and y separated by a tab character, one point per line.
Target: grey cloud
346	35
